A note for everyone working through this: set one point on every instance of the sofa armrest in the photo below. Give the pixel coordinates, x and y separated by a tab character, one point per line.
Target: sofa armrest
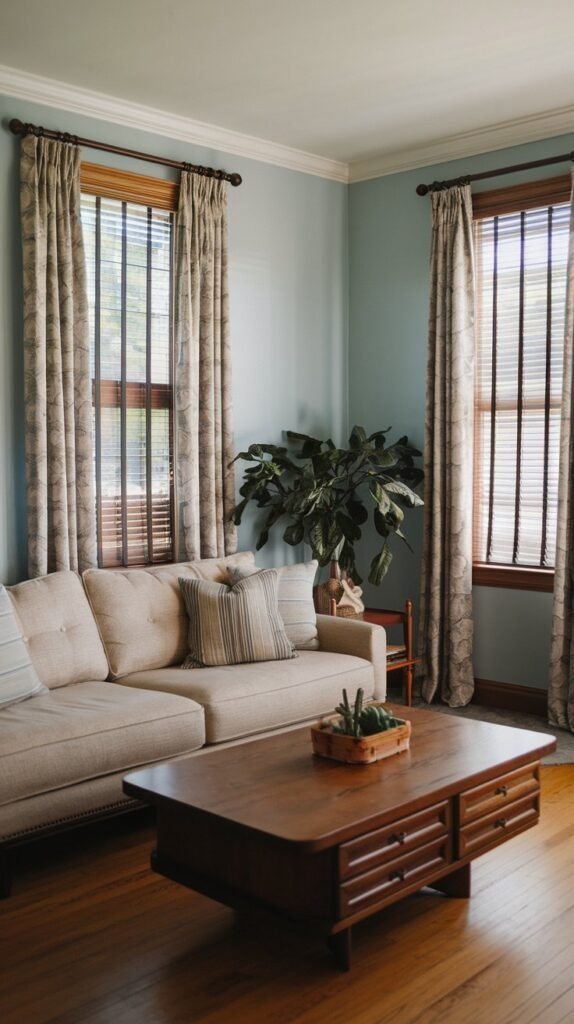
362	639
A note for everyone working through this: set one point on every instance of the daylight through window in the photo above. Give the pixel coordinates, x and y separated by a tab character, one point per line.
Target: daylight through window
521	284
128	253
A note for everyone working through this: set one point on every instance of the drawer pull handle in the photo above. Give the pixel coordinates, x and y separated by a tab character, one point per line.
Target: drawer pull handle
502	790
397	837
502	822
398	875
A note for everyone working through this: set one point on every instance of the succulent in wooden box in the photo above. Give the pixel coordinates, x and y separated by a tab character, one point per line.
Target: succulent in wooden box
358	720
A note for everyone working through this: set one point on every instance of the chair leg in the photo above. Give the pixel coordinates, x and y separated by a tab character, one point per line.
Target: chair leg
5	874
409	685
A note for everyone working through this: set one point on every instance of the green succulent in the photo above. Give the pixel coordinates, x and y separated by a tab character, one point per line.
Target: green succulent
358	720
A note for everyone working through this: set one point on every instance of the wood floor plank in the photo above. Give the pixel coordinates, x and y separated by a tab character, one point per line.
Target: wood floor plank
92	936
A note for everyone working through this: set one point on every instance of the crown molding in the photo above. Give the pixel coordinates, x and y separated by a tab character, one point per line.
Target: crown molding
531	128
51	93
61	96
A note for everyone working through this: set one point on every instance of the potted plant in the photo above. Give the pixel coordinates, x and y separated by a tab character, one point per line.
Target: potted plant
325	493
359	733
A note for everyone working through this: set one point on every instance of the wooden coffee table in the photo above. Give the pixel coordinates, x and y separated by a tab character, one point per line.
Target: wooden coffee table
266	824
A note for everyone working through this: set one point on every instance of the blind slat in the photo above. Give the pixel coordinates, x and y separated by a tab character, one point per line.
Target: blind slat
521	292
128	252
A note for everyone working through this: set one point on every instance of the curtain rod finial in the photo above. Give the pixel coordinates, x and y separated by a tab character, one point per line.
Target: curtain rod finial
235	179
422	190
16	126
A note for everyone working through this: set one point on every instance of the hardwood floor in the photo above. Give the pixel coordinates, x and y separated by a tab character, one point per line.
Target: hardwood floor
91	935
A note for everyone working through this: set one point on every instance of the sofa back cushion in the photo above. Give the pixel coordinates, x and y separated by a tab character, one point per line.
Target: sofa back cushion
59	629
141	614
295	601
18	677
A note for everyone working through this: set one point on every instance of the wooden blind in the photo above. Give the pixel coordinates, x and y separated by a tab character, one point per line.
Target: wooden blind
129	263
521	288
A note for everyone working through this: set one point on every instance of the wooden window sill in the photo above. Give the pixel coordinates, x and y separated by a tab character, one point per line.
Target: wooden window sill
512	577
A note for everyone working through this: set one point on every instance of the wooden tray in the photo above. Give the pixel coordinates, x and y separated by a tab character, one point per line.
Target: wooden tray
360	749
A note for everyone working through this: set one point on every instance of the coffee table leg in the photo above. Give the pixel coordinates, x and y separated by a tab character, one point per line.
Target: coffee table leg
456	884
340	946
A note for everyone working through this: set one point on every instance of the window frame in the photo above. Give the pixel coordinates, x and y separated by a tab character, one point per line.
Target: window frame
495	203
126	186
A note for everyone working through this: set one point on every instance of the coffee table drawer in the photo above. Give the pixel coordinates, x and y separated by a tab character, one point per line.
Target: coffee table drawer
493	796
374	887
402	836
490	830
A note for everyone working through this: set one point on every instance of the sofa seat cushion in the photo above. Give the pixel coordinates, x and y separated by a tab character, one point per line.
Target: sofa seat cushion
243	699
59	629
140	612
88	730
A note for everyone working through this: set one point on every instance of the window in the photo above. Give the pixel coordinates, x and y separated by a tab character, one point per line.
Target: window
521	244
129	263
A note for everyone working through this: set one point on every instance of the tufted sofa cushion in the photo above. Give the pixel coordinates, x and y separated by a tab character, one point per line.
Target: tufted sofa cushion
59	629
141	614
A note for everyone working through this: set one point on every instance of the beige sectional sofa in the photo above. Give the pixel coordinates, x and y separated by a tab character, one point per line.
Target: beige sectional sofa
108	648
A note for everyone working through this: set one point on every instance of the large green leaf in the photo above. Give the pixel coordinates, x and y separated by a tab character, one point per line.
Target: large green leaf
357	438
325	537
357	511
348	527
262	539
380	565
302	437
380	497
404	494
399	533
294	533
394	515
384	458
238	511
379	437
381	525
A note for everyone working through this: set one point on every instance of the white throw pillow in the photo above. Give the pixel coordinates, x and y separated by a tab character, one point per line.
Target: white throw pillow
295	601
18	677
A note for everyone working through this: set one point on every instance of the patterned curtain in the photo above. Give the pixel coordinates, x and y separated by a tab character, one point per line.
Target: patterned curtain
59	464
561	681
205	481
445	625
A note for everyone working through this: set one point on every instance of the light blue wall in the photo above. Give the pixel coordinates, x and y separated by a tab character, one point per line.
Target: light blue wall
389	241
288	284
288	295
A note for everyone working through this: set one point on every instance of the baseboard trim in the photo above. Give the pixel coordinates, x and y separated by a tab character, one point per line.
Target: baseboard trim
511	697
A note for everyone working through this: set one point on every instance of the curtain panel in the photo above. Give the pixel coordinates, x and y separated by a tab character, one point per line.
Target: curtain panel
58	401
445	623
203	444
561	680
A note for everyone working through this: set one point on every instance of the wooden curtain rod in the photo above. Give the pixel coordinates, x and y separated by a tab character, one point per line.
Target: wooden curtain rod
437	186
17	127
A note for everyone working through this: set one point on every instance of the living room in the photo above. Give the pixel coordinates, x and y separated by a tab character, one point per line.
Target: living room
332	119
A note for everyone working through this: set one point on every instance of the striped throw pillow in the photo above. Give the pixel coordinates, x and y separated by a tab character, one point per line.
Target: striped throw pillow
18	678
295	601
234	625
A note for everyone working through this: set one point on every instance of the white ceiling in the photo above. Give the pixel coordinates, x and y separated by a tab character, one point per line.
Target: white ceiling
349	82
